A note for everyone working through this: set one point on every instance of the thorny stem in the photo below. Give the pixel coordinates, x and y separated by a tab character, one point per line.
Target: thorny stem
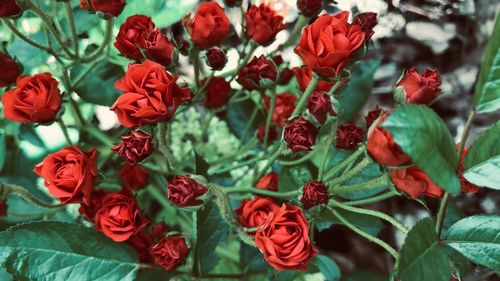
331	139
64	129
259	191
351	173
269	118
339	167
301	104
373	199
6	189
105	42
376	182
72	27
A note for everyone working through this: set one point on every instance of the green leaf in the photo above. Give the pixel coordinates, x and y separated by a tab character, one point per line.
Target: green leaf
477	238
97	86
487	92
252	260
61	251
482	162
327	267
421	258
423	135
239	114
368	224
3	148
211	231
294	177
354	95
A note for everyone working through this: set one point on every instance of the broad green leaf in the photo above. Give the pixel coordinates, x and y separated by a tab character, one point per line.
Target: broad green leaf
423	135
453	214
239	114
294	177
477	238
252	260
327	267
421	258
61	251
366	223
487	92
482	162
28	55
3	148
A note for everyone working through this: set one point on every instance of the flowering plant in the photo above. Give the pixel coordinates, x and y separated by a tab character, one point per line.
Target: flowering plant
186	146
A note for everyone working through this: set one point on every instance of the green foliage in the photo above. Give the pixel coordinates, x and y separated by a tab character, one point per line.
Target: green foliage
423	135
368	224
294	177
54	251
239	114
252	260
327	267
3	148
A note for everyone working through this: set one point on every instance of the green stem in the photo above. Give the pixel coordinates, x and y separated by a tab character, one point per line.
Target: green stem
64	129
71	20
99	135
6	189
373	199
351	173
237	166
195	57
21	36
302	159
269	118
331	138
335	87
301	22
250	122
259	191
377	182
243	62
301	104
163	146
270	161
105	42
339	167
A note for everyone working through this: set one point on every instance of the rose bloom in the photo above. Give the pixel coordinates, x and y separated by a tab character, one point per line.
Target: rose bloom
372	115
183	191
349	136
209	26
272	135
300	134
366	22
310	8
69	174
135	147
10	70
216	58
255	212
415	183
159	230
170	251
284	239
9	8
258	69
303	75
319	105
216	92
3	208
327	44
419	89
262	24
111	7
132	36
158	48
286	76
35	99
89	209
150	95
314	193
268	182
283	109
119	217
134	177
382	147
142	242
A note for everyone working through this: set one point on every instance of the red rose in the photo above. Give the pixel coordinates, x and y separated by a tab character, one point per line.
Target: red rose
134	176
216	58
119	217
415	182
9	8
35	99
209	26
320	106
283	109
303	75
158	48
142	242
272	135
382	147
89	209
327	44
111	7
300	134
132	36
184	191
170	252
366	22
3	208
268	182
314	193
134	147
464	183
372	116
69	174
255	212
10	70
151	95
348	136
285	76
262	24
419	89
216	92
284	239
159	230
259	68
310	8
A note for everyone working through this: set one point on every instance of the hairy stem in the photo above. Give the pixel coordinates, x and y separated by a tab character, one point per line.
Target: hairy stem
339	167
373	199
108	33
72	26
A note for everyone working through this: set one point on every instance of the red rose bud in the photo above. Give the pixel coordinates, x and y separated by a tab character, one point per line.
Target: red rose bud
415	183
259	68
272	135
284	239
303	75
416	88
314	193
216	92
268	182
466	186
382	147
209	26
110	7
182	45
328	52
255	212
348	136
10	70
134	177
132	36
278	60
144	87
159	230
216	58
232	3
283	109
35	99
184	191
88	210
9	8
119	217
3	208
262	24
134	147
310	8
366	22
159	49
285	76
319	105
69	174
142	242
300	134
170	252
372	116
